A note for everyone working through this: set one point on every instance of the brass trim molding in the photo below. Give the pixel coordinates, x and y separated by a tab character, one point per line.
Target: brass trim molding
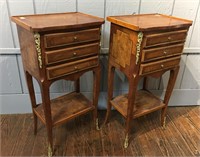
38	49
97	124
164	123
138	46
50	152
126	141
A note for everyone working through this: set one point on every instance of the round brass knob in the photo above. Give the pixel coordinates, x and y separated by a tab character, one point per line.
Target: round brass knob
169	38
165	52
75	38
75	67
162	66
74	54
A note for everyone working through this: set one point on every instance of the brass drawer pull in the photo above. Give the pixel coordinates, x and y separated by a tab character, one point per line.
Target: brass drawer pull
75	38
169	38
76	68
74	54
162	66
165	52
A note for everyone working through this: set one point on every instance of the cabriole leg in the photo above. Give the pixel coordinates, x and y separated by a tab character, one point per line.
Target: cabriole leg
111	71
96	90
48	118
170	86
31	90
133	82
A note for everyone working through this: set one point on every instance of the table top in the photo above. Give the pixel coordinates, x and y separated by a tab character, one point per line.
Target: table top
147	22
45	22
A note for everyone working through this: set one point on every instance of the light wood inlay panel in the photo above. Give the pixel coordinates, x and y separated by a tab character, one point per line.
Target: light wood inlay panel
121	48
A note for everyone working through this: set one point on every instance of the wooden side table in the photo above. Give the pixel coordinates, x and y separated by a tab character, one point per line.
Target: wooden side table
141	46
60	46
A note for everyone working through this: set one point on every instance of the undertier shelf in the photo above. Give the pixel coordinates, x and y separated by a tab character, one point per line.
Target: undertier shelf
65	108
145	103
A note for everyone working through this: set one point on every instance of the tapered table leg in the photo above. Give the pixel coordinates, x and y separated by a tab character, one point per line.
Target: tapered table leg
48	117
96	90
111	71
170	86
31	90
133	82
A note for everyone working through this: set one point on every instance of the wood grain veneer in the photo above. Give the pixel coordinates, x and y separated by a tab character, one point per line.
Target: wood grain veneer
62	110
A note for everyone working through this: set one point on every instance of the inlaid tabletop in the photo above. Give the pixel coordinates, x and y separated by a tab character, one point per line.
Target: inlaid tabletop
44	22
144	22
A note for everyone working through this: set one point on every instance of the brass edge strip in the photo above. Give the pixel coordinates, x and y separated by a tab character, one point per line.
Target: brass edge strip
138	46
38	49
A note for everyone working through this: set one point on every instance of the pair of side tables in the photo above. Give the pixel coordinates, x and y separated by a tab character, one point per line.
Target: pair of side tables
66	45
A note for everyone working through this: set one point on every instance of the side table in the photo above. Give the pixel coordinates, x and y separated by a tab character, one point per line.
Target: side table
141	46
60	46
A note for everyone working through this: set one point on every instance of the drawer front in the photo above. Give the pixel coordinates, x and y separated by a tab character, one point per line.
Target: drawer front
62	39
165	38
71	53
159	65
161	52
68	68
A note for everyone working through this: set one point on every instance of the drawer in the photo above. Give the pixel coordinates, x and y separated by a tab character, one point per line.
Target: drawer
165	38
68	38
161	52
159	65
71	53
72	67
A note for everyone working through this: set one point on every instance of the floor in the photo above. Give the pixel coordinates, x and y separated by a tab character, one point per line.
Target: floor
79	138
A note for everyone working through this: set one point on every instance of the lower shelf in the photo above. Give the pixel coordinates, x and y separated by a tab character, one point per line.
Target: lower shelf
65	108
145	103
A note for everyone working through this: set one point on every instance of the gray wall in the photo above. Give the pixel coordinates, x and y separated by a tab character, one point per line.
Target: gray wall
13	91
